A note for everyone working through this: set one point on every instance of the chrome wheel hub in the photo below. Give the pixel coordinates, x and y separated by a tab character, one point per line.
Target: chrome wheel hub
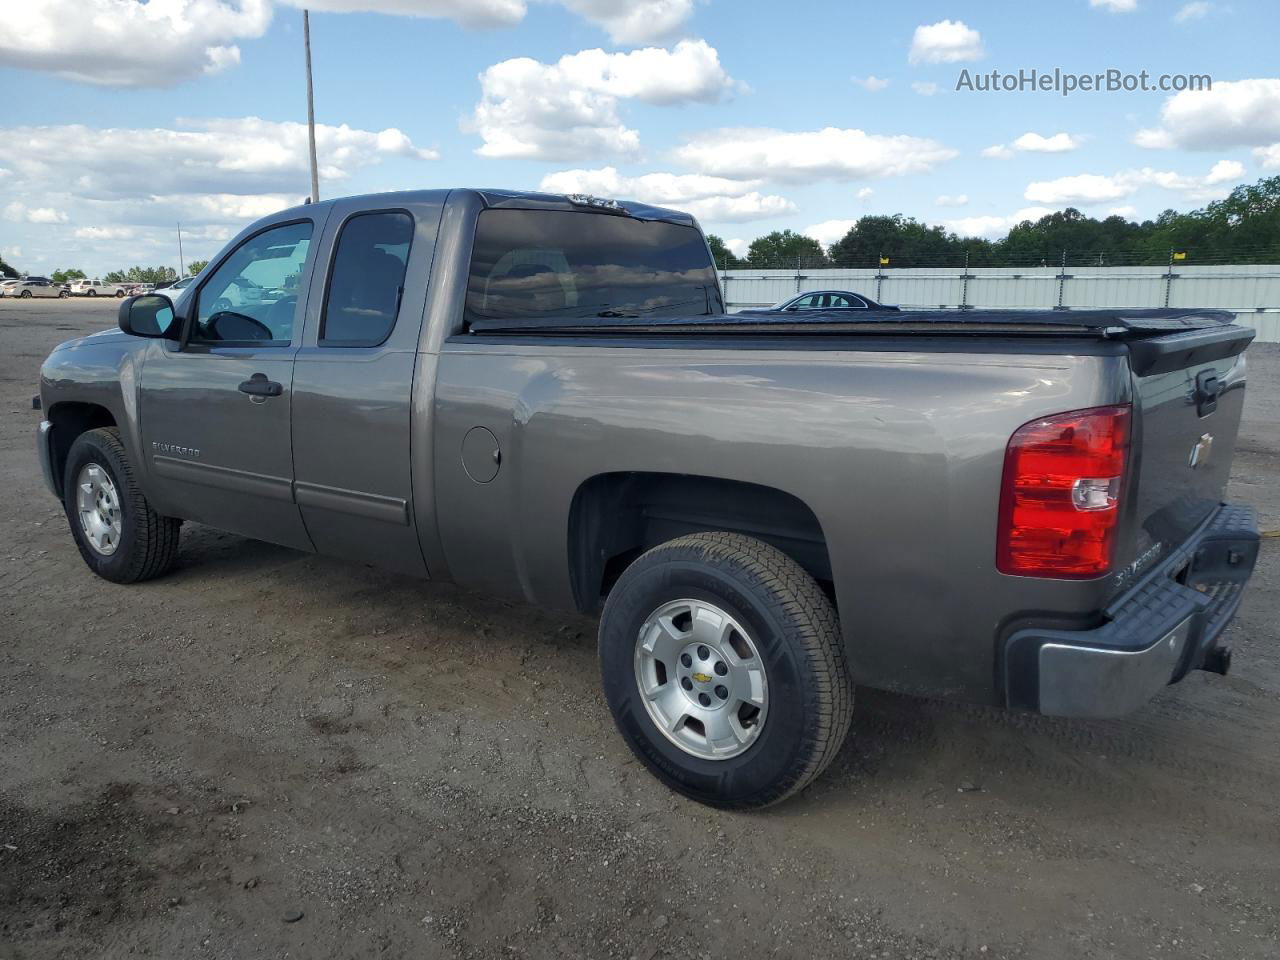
98	506
701	679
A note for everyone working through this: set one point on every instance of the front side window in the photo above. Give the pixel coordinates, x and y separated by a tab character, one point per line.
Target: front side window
529	264
367	279
253	296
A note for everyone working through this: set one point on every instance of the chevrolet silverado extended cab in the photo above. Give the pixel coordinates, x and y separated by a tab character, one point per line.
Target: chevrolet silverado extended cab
542	397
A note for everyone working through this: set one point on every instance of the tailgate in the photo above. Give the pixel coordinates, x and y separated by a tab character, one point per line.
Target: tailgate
1188	396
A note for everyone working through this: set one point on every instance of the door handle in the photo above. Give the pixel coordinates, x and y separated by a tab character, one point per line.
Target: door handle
259	386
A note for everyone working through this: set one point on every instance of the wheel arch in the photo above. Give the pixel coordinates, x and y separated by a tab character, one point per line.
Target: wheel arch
615	517
70	419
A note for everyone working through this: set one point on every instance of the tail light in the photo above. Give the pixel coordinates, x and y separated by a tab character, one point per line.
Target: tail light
1059	498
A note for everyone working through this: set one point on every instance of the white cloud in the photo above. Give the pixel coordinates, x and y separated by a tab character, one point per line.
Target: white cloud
1128	212
715	199
952	200
10	253
569	109
1082	189
126	43
871	83
828	154
737	246
1225	171
212	174
925	89
992	227
105	233
1268	157
829	231
1089	189
864	193
21	213
999	151
1116	6
244	155
1196	10
132	43
947	41
633	21
1241	113
1035	143
467	13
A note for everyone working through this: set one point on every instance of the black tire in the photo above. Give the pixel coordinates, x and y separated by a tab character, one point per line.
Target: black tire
148	545
63	295
91	292
119	293
25	295
795	630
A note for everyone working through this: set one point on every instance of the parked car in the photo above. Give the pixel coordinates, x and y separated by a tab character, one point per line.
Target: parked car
96	288
542	397
174	290
6	283
34	287
137	289
828	300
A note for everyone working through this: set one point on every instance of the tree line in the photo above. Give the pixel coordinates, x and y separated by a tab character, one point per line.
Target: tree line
1244	227
156	275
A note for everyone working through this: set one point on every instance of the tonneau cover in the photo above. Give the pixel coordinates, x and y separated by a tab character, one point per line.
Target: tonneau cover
1118	323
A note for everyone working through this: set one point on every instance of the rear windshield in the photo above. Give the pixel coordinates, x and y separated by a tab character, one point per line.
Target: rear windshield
538	263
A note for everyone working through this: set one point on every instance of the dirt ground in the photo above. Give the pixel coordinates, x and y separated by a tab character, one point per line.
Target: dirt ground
188	765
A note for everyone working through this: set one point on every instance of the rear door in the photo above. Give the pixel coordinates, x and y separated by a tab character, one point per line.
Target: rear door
352	407
215	414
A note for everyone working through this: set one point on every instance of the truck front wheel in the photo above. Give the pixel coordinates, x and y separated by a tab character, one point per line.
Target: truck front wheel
723	668
119	536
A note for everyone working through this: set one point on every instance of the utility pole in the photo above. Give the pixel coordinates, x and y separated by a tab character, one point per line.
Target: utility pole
311	109
182	270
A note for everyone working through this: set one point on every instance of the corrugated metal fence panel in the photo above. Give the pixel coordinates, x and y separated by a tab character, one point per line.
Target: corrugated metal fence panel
1245	288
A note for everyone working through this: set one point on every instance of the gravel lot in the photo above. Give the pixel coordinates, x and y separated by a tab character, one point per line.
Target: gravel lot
189	764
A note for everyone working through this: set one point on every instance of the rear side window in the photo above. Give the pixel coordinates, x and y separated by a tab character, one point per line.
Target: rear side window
367	280
529	264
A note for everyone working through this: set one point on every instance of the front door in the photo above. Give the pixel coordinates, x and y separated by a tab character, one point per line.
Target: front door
215	412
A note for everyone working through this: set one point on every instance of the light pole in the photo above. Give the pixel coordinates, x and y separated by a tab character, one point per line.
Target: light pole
182	270
311	109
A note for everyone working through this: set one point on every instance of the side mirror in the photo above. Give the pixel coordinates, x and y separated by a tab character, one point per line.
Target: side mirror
148	315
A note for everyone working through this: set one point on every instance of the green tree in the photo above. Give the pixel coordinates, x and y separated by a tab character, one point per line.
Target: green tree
904	240
7	271
195	266
66	275
784	249
142	275
723	256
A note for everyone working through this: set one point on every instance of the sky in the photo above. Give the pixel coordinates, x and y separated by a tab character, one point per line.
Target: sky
123	119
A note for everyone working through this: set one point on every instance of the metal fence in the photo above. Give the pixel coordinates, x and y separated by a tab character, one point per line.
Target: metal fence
1252	291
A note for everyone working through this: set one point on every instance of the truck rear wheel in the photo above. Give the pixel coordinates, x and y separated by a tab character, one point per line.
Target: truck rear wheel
723	667
118	534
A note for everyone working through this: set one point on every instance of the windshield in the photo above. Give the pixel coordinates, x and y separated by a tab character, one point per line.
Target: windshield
534	263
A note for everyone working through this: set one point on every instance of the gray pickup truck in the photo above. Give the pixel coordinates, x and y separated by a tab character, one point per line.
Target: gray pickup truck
543	397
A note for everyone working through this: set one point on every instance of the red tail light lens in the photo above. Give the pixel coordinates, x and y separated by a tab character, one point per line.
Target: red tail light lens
1059	498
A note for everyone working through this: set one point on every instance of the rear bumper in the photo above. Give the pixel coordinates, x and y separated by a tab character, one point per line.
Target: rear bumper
1154	634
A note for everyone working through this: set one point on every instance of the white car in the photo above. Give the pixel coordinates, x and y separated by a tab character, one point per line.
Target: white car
96	288
29	287
174	290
